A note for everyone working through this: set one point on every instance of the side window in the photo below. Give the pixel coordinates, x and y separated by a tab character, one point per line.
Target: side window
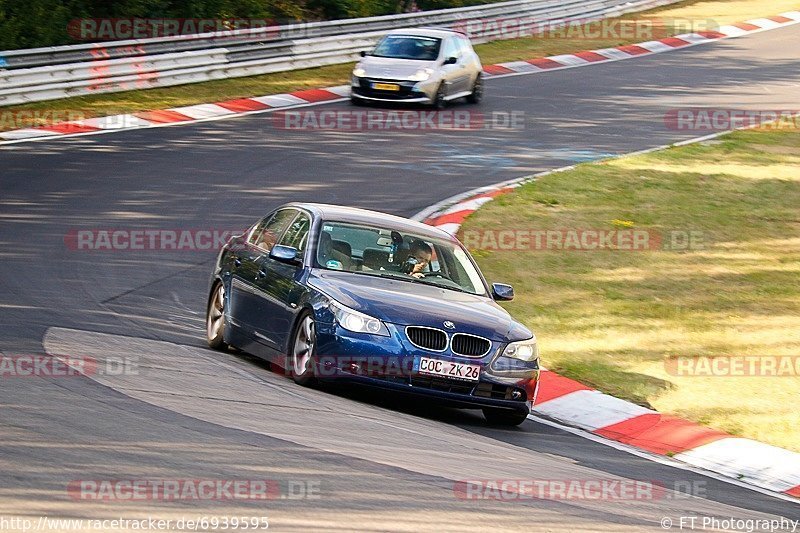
268	232
256	233
297	234
464	46
450	48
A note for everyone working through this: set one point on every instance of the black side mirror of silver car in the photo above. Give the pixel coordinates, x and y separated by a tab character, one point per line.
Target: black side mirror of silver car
284	254
450	61
363	53
502	292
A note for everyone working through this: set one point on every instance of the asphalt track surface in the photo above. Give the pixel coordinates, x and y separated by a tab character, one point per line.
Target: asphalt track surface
381	463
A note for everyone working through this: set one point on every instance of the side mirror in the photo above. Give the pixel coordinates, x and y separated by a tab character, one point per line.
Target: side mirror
284	254
363	53
502	292
450	61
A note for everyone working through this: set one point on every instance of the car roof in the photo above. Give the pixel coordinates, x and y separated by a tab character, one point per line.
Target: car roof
340	213
441	33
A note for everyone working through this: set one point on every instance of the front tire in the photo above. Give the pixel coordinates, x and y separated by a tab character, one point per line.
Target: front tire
503	417
304	343
215	318
356	101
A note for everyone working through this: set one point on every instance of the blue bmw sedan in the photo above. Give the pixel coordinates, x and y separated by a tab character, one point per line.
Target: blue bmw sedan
337	293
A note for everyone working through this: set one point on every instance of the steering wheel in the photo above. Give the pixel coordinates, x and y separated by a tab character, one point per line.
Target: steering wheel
438	274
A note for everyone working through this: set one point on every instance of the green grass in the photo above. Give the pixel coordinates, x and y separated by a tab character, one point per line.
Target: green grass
609	318
718	11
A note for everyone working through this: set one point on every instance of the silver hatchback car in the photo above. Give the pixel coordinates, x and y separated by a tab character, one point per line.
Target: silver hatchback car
418	65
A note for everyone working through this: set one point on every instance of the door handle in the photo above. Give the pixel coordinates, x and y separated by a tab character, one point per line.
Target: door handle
261	273
237	262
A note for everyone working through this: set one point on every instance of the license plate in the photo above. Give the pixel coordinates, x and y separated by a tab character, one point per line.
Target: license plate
386	86
448	369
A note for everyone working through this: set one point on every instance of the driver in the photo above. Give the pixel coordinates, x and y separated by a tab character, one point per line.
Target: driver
407	48
419	257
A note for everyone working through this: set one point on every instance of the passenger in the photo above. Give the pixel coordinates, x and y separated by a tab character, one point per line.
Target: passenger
329	256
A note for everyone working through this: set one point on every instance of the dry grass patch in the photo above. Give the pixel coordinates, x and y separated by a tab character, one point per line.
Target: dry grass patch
610	318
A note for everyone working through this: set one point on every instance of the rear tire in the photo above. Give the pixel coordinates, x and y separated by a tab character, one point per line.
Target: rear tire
438	101
215	318
303	348
477	91
503	417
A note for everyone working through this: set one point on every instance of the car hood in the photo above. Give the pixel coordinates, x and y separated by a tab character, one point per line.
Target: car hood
391	68
405	303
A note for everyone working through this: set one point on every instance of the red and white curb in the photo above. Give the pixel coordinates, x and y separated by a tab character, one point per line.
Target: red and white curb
574	404
179	115
265	104
667	44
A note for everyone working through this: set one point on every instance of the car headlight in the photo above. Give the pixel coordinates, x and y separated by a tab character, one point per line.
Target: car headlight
359	72
352	320
523	350
422	74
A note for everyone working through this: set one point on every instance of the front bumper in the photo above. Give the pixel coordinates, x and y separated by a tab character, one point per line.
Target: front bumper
442	397
389	363
410	91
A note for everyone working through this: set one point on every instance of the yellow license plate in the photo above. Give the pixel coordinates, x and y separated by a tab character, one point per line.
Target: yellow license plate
386	86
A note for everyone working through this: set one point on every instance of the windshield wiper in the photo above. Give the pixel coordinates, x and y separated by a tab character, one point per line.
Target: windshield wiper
459	289
400	57
390	275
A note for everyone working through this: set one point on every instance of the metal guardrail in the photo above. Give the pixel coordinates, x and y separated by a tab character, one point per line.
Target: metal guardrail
60	72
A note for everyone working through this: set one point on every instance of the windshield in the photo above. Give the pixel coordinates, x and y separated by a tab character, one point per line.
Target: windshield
387	253
408	47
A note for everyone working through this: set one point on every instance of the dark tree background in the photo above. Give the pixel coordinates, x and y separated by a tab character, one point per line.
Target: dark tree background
34	23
